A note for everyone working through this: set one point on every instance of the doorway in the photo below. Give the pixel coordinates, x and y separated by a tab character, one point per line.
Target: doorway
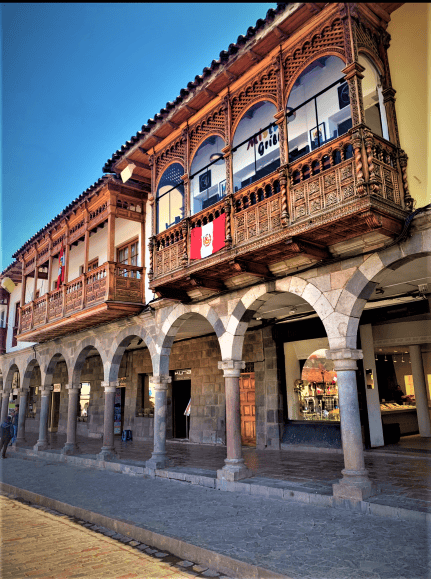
54	413
181	393
120	397
247	397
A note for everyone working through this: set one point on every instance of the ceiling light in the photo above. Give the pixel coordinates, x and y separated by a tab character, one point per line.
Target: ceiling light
386	359
402	358
394	359
215	157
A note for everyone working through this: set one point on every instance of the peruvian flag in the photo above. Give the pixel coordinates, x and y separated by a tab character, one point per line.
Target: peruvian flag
208	239
61	262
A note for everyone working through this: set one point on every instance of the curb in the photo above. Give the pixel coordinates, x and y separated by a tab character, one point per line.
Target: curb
246	486
178	547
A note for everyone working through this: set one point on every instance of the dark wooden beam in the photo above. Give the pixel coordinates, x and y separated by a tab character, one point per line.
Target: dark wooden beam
254	56
172	124
172	294
190	109
158	139
210	93
230	75
139	164
300	246
244	266
280	34
209	283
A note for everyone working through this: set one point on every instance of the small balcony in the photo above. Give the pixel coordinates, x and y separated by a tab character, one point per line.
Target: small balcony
352	187
108	292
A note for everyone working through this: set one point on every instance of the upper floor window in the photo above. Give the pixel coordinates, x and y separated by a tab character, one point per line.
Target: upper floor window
128	254
256	149
207	174
372	97
318	109
170	198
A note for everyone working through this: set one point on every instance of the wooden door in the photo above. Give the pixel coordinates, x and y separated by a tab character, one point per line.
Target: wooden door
248	409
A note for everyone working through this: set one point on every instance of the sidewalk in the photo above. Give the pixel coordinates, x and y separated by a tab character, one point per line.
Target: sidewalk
297	540
404	479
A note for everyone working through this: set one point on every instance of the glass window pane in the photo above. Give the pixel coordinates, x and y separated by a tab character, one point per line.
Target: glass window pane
176	205
259	154
163	213
208	170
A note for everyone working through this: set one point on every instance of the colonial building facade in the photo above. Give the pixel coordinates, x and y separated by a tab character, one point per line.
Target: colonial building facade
251	268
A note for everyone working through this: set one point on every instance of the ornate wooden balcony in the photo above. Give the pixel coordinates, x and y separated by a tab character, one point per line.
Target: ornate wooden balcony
352	187
106	293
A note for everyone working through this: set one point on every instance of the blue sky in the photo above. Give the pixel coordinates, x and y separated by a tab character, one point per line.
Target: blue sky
78	80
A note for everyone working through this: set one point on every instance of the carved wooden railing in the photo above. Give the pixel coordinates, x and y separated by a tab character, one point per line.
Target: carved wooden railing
168	249
77	231
108	282
257	209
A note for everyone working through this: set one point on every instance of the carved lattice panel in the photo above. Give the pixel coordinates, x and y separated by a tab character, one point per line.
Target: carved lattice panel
330	35
365	39
265	86
175	152
213	123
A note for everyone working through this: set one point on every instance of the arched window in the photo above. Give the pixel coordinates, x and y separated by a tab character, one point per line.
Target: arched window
170	197
375	117
318	109
208	174
256	149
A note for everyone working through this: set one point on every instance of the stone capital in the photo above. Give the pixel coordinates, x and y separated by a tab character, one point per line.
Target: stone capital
231	368
23	391
46	390
344	358
160	382
73	388
109	386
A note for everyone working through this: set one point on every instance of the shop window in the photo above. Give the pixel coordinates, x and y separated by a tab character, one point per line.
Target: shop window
170	198
84	401
318	109
128	254
372	97
208	174
317	389
256	148
145	399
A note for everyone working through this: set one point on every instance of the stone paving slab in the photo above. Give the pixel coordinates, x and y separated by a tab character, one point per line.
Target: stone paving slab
302	541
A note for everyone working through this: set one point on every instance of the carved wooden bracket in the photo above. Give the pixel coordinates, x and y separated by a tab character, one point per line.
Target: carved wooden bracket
300	246
172	294
258	269
209	283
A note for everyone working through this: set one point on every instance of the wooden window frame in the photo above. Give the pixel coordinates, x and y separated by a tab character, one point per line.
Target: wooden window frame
128	244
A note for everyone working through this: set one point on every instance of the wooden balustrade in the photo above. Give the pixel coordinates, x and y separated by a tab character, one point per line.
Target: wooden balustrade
168	249
109	281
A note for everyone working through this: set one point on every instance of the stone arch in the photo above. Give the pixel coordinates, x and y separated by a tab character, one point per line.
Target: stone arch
250	303
7	384
362	284
51	365
83	348
171	326
119	346
264	97
30	364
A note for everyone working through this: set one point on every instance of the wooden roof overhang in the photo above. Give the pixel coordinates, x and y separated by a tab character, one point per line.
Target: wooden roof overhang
13	272
100	314
229	72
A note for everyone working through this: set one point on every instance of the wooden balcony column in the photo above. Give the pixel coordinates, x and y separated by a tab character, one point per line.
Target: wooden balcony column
353	76
152	195
186	177
228	205
111	231
67	253
36	277
50	259
24	283
284	177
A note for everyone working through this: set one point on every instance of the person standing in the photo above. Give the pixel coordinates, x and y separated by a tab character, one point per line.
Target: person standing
6	435
15	423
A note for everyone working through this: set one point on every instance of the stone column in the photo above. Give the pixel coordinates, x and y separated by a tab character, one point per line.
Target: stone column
373	401
234	468
158	458
108	450
355	484
71	446
420	391
42	442
5	404
20	437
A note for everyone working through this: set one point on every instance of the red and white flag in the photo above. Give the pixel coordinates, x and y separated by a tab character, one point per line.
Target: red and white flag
208	239
61	264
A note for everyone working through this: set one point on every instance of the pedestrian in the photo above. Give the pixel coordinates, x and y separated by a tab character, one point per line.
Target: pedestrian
6	435
15	416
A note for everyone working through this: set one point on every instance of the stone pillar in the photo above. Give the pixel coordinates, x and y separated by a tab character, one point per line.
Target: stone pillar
234	468
108	450
5	404
42	442
71	446
355	484
20	437
420	391
373	401
158	458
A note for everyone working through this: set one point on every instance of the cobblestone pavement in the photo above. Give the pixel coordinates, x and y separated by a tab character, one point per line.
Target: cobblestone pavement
404	480
299	540
73	548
